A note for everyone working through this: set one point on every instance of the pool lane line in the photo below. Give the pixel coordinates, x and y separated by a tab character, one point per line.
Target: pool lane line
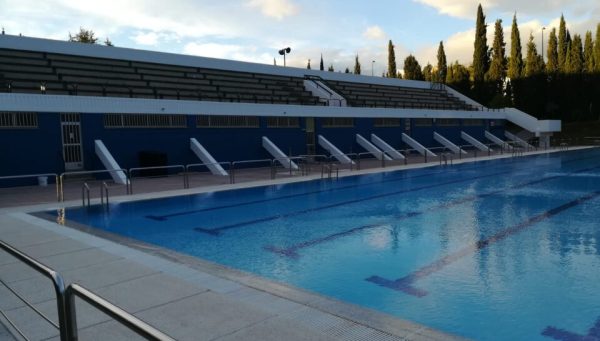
216	231
292	251
406	283
565	335
395	179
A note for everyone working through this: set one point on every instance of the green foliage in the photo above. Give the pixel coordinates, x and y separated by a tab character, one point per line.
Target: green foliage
412	69
321	65
84	36
497	71
552	65
562	44
356	66
392	70
597	50
427	72
515	66
460	78
480	53
442	66
330	68
533	62
574	62
588	53
107	42
347	70
308	65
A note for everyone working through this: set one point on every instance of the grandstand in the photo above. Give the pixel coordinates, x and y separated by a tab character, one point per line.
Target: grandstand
68	106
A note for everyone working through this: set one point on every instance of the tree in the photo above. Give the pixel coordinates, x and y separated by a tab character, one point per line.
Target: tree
107	42
533	62
427	72
392	70
330	68
597	50
450	75
84	36
412	69
588	53
460	77
321	65
562	44
347	70
497	71
480	53
356	66
574	61
515	66
552	65
442	66
308	65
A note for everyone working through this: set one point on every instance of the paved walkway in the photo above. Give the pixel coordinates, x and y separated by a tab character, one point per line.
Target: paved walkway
187	298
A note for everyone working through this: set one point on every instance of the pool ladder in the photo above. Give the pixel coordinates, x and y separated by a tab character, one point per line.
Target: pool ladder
85	195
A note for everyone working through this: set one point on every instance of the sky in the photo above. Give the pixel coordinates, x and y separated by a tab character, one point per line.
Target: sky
254	30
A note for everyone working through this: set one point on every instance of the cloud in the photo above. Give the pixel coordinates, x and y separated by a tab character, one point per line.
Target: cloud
277	9
374	33
227	51
456	8
149	38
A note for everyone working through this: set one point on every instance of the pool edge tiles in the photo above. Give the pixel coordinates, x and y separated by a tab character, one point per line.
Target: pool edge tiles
381	325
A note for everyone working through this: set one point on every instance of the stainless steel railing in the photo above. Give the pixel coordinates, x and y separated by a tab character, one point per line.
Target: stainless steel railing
65	304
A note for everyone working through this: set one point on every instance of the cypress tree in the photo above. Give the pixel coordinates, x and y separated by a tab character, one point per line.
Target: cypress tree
588	53
308	65
321	65
392	70
412	69
427	72
497	71
533	64
562	44
515	67
330	68
442	66
356	66
480	53
575	56
597	50
347	70
552	65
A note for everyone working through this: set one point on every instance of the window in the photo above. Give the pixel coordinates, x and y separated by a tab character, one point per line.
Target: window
337	122
18	120
210	121
422	122
144	121
446	122
386	122
472	122
283	122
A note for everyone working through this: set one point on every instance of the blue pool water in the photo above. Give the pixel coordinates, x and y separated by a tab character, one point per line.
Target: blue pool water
495	250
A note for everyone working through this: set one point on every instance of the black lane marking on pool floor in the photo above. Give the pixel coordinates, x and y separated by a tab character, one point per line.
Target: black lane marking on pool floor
395	179
216	231
565	335
406	283
292	251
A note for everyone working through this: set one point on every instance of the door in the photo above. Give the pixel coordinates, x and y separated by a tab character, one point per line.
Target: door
310	135
71	141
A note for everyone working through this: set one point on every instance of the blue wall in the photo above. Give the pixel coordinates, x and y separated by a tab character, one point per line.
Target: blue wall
25	151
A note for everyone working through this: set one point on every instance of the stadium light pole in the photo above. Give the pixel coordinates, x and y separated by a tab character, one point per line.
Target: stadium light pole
372	67
283	52
543	28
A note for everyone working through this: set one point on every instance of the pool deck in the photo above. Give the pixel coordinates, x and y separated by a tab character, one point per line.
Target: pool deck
185	297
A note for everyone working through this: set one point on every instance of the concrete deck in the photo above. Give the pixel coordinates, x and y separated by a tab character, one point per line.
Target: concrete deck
185	297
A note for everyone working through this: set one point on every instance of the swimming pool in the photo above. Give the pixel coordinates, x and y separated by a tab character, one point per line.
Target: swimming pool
495	250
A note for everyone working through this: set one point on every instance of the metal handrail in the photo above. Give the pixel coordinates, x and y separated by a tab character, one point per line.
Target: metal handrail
57	281
64	175
234	163
85	189
104	192
133	323
25	176
132	170
192	165
349	155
